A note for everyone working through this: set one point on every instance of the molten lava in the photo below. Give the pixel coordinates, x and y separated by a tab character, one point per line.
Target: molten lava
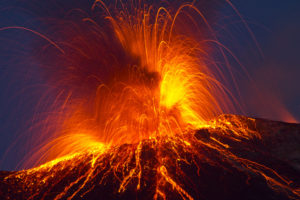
229	160
153	88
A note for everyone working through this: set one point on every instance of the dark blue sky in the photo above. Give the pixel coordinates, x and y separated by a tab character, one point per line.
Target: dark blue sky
276	25
274	90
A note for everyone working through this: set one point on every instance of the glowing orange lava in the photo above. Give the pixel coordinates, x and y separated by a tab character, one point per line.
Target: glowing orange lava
160	99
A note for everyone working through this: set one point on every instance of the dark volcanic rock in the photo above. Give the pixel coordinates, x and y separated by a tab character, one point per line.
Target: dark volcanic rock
211	163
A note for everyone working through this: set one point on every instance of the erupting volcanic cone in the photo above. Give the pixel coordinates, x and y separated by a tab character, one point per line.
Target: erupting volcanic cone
210	163
135	115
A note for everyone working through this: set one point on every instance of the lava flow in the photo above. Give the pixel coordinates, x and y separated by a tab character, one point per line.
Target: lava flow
139	115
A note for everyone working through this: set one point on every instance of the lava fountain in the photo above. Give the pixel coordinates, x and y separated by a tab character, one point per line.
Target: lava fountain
149	80
134	88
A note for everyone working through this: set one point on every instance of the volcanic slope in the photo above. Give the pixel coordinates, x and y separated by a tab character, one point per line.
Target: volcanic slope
236	157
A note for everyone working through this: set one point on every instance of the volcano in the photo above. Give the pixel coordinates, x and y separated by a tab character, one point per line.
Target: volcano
136	110
210	163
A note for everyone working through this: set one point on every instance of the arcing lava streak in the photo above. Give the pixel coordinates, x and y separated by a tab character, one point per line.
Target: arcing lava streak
137	78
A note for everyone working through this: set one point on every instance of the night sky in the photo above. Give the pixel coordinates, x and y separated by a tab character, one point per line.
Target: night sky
273	92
